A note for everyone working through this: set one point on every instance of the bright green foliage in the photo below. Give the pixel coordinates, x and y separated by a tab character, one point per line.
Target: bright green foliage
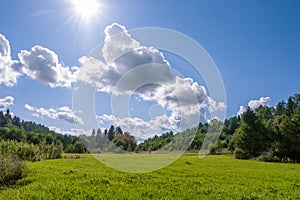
30	132
213	177
287	130
156	142
30	152
269	134
78	147
205	135
251	137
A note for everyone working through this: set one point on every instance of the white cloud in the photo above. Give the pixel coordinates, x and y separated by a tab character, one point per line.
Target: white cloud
39	63
43	64
29	107
117	42
62	113
184	95
35	115
41	12
242	110
82	59
263	101
6	102
126	65
65	108
4	46
8	75
72	131
214	106
253	104
140	128
121	55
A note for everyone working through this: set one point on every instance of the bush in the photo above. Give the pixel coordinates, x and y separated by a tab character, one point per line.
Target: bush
268	157
50	151
241	154
24	151
31	152
212	149
12	168
12	155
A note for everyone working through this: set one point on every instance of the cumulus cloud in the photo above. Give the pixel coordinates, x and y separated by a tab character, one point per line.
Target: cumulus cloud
39	63
264	101
117	42
4	46
123	66
253	104
121	57
126	66
8	75
242	110
6	102
62	113
43	64
183	95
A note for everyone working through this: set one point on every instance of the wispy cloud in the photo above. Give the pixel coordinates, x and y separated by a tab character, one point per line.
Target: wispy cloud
6	102
62	113
41	12
72	131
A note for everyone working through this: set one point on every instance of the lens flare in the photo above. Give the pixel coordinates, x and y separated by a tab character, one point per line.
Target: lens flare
86	8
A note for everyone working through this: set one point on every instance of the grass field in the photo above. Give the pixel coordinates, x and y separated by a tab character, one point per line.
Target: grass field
212	177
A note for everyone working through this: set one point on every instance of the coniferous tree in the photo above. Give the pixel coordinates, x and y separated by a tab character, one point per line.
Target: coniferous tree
111	133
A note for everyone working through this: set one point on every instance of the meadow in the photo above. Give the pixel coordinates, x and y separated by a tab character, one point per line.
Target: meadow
189	177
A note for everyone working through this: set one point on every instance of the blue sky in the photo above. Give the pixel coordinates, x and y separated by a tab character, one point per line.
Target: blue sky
255	45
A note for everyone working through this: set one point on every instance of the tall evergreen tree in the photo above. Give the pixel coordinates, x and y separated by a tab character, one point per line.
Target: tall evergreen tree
251	136
111	133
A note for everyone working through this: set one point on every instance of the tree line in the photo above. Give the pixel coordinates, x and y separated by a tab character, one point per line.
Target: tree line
266	133
13	128
112	140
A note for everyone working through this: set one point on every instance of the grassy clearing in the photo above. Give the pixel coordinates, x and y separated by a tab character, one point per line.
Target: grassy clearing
212	177
137	163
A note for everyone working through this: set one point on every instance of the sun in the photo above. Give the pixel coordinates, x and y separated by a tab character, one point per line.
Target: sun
86	8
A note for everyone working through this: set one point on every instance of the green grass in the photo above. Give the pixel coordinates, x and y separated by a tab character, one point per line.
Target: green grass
212	177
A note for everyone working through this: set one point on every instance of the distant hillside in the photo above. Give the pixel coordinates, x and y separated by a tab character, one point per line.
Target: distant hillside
13	128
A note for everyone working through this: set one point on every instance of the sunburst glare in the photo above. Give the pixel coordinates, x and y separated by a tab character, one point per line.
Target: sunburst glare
86	8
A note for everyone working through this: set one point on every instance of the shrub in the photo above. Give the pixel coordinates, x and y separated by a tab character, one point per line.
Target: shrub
268	156
24	151
50	151
241	154
12	168
31	152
